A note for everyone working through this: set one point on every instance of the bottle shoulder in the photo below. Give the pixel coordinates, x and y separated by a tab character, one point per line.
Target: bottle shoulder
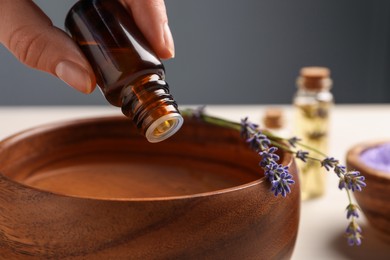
313	97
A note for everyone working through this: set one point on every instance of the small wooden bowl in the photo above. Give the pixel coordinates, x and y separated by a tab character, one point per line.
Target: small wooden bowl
374	200
95	188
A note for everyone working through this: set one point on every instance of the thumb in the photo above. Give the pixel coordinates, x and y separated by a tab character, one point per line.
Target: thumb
29	34
151	18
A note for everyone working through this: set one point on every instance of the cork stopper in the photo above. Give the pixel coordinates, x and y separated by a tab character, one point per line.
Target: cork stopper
273	118
314	78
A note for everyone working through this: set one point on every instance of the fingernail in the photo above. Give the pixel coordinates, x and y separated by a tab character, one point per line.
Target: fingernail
74	75
169	40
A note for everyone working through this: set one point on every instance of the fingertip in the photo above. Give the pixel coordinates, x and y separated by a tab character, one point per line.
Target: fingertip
168	42
75	76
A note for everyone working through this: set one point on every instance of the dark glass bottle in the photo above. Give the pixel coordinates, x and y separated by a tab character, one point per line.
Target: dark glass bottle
127	70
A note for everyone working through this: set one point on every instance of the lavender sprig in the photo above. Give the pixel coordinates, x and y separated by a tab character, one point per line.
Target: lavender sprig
350	181
277	174
266	144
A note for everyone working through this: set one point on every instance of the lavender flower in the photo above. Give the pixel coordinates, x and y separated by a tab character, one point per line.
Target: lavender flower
281	184
342	183
302	155
293	141
340	170
322	112
198	112
353	233
329	162
258	141
247	127
264	142
352	211
279	177
352	181
268	156
270	169
253	142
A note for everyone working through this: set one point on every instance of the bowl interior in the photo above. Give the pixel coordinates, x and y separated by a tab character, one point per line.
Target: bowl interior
106	158
371	158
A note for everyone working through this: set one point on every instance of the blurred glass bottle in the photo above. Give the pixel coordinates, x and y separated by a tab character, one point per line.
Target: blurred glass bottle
127	70
312	104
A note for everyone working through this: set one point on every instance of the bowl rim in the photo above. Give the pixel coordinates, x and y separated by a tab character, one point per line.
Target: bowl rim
354	159
288	160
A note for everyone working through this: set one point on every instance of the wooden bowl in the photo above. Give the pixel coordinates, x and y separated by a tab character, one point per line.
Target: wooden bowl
95	188
374	200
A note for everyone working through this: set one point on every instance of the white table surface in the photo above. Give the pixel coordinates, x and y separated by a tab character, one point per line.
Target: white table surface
323	220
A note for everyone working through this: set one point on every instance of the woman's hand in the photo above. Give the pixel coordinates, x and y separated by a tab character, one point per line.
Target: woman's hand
30	35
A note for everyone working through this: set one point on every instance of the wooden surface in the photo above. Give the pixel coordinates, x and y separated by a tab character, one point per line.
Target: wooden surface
374	201
214	204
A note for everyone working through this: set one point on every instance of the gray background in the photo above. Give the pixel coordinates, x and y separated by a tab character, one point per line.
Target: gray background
243	52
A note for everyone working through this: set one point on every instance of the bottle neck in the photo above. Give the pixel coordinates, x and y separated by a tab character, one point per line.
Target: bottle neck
312	90
152	108
314	84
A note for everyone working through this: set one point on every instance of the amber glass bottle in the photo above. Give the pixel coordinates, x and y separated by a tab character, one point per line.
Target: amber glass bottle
127	70
313	102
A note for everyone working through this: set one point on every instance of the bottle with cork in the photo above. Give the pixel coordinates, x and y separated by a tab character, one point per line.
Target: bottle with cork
312	105
273	120
127	70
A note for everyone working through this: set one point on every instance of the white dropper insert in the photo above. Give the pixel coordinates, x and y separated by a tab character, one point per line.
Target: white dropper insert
164	127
